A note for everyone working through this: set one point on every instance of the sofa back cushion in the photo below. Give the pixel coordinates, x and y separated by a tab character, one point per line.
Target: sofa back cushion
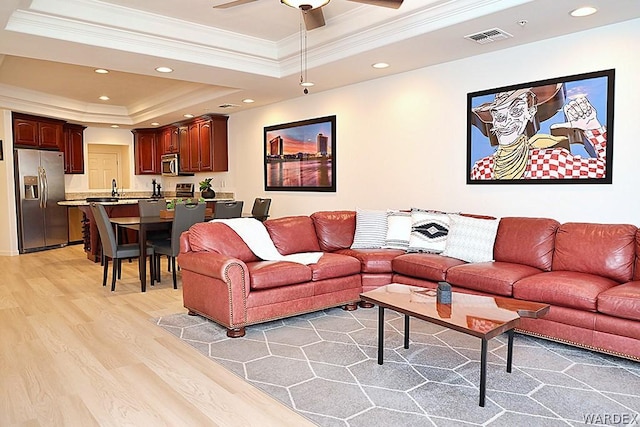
293	234
335	230
218	237
528	241
606	250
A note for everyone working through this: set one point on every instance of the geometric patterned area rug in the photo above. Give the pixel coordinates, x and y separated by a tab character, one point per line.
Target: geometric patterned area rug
324	366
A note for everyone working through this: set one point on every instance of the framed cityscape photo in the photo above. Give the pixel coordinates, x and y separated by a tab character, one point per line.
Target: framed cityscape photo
550	131
300	156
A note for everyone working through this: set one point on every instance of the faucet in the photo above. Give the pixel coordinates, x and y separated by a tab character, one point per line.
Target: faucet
114	191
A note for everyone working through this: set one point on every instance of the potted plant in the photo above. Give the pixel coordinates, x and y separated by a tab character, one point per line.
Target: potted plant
205	189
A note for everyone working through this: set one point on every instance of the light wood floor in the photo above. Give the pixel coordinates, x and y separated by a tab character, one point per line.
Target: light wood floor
72	353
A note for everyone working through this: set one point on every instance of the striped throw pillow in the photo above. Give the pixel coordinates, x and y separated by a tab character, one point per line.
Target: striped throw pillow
371	229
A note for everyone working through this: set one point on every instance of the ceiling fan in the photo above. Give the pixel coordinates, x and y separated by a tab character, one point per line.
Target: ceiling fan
312	9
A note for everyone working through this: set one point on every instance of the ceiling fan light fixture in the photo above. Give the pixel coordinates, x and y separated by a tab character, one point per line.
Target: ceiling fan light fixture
305	4
306	84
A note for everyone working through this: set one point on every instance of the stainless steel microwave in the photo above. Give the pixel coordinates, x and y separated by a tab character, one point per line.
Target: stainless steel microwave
170	164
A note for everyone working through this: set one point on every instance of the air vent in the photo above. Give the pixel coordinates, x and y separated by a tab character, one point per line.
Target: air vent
228	106
489	36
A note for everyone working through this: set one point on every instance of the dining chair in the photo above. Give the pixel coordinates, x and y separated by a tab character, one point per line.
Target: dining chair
223	210
111	249
260	210
184	217
151	207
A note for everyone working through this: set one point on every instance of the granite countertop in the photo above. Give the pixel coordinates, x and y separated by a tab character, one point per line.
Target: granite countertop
130	198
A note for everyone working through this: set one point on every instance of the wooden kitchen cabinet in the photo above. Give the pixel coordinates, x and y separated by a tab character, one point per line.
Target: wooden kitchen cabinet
183	137
147	152
205	149
37	132
201	144
170	141
73	148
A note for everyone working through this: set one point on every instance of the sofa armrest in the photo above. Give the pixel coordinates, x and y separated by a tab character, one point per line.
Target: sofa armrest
216	286
209	264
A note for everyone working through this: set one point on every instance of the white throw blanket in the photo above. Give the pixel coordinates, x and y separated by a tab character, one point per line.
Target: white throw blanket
257	238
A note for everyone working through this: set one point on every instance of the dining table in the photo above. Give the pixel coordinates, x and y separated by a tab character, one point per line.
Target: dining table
143	225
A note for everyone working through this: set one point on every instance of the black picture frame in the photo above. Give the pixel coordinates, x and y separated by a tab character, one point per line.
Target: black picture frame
567	139
1	151
301	156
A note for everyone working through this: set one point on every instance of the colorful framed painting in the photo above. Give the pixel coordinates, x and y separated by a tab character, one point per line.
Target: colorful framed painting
550	131
300	156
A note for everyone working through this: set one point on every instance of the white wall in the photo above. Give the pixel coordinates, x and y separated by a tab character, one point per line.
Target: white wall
401	140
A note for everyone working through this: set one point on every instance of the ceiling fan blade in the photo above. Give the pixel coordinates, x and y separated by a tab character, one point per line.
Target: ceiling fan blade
394	4
313	18
232	4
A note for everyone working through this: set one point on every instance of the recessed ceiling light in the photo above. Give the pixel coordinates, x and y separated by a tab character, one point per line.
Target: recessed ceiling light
104	98
380	65
248	101
188	116
164	70
101	71
583	11
155	124
306	84
115	126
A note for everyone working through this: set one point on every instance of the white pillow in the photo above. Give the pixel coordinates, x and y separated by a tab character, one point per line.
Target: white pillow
371	229
471	239
429	231
398	230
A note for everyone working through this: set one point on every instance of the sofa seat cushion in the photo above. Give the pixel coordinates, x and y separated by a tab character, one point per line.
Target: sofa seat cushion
424	266
492	277
563	288
272	274
373	260
621	301
332	265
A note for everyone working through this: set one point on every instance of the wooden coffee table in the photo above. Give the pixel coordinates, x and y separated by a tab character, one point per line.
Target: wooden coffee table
480	316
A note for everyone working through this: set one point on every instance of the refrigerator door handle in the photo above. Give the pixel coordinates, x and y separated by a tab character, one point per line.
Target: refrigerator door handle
44	188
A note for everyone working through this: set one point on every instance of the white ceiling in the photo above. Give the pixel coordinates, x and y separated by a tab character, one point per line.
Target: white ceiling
49	49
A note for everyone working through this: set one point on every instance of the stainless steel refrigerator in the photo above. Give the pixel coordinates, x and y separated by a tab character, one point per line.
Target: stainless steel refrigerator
42	223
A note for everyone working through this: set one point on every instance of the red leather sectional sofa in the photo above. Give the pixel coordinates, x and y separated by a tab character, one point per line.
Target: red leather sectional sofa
588	273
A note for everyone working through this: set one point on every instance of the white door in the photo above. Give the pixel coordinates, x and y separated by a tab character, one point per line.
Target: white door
103	167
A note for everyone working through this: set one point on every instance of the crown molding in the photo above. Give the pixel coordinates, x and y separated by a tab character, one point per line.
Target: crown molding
92	34
326	47
33	102
106	25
